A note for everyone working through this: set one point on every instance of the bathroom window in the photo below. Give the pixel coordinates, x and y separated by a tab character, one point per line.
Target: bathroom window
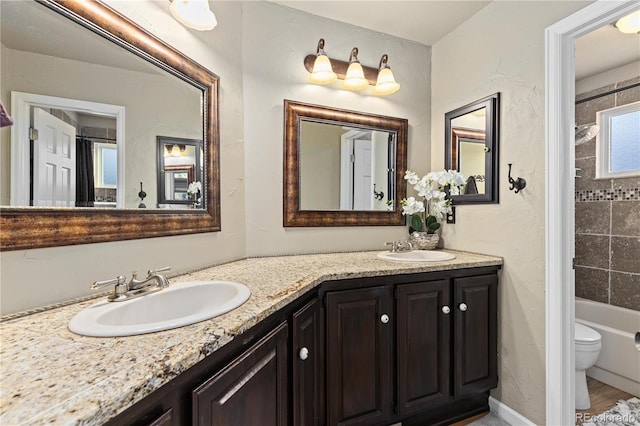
618	143
105	165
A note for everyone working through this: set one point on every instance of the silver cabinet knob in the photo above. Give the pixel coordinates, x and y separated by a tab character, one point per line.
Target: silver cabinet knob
462	307
303	354
384	318
446	309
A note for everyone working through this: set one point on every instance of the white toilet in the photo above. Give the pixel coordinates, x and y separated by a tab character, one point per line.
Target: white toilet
588	344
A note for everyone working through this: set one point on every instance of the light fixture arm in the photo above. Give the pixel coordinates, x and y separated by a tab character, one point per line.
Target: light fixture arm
383	62
353	57
320	49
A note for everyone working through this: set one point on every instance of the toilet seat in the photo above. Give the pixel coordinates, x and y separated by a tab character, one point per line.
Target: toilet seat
586	338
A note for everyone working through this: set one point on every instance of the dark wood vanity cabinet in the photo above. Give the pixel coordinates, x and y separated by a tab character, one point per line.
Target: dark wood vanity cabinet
422	346
359	360
413	348
252	390
402	349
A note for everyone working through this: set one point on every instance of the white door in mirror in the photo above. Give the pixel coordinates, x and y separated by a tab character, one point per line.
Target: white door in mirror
179	305
417	256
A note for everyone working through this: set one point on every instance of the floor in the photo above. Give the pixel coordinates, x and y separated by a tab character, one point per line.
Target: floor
602	396
483	419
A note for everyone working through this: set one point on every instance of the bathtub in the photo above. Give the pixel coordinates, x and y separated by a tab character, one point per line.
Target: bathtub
619	362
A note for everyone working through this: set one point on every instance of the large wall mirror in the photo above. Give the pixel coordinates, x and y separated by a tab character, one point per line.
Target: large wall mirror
471	147
90	93
342	168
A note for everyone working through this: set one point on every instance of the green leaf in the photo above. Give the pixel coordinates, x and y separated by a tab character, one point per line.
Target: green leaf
416	222
431	220
432	228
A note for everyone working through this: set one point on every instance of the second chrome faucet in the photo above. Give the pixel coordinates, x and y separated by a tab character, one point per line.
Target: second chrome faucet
134	288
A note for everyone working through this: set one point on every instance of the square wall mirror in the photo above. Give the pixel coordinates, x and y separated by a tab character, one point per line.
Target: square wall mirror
471	147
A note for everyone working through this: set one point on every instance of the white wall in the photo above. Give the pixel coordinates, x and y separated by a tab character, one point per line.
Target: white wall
501	49
38	277
144	96
615	75
273	54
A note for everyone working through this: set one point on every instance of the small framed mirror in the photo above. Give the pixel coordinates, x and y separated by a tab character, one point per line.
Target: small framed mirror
180	171
471	147
343	168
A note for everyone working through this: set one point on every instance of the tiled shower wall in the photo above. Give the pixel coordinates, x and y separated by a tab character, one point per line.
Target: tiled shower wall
607	215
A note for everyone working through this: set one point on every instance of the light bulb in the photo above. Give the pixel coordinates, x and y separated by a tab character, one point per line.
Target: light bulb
194	14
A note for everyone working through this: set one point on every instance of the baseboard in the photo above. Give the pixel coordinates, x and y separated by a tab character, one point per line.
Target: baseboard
508	414
615	380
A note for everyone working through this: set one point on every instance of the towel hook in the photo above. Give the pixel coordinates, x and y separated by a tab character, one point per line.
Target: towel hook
517	184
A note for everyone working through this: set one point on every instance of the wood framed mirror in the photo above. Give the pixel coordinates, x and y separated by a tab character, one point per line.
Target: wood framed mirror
31	226
342	168
471	147
179	166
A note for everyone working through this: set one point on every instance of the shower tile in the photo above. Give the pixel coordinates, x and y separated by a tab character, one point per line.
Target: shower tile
593	217
626	183
625	254
626	218
592	284
587	174
625	290
630	95
586	149
592	251
586	111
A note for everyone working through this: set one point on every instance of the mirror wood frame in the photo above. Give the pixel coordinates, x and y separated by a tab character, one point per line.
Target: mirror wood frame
492	131
29	227
292	215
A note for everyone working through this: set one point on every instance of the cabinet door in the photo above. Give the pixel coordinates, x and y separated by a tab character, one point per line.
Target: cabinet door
308	366
359	327
423	330
251	391
475	329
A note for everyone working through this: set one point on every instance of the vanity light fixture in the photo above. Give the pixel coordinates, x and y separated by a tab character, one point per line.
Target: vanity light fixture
194	14
386	84
629	24
354	80
322	72
355	76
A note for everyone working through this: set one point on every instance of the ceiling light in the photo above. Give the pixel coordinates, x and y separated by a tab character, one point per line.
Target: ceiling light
354	80
386	83
322	70
629	24
194	14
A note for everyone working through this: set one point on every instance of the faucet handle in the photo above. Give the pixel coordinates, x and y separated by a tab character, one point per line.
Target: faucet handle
155	271
119	280
394	246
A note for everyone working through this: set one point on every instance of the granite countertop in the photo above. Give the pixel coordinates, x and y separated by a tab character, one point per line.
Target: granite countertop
49	374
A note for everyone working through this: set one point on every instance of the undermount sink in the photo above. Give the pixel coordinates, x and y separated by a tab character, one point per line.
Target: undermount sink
178	305
417	256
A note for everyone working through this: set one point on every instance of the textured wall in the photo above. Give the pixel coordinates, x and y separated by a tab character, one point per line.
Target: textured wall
607	214
274	51
38	277
501	49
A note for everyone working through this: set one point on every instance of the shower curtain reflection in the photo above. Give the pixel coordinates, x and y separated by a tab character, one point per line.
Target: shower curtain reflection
85	187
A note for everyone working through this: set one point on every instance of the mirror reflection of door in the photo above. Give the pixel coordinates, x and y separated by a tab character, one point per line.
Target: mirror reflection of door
468	142
179	166
345	168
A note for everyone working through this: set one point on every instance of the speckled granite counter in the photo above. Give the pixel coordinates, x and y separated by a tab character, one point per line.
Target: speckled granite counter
49	374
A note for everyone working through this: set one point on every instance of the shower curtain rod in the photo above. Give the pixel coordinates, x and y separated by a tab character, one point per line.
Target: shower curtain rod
610	92
95	137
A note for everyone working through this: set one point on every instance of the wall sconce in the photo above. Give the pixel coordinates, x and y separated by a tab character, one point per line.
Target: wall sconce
629	24
322	71
385	84
194	14
354	80
355	75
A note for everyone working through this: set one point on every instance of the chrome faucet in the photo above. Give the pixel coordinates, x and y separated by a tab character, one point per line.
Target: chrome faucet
399	246
135	288
152	275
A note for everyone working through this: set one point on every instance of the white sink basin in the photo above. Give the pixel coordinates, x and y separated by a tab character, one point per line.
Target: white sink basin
178	305
417	256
